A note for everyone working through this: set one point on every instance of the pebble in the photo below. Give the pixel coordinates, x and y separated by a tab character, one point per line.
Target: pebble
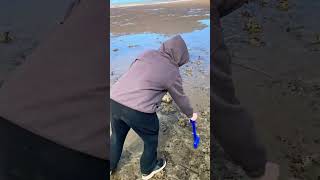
283	5
167	99
252	27
182	122
5	37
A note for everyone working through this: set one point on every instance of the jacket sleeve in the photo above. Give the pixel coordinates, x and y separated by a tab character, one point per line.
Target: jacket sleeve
225	7
175	89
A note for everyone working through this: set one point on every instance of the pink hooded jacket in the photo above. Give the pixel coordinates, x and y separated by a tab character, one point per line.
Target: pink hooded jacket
151	76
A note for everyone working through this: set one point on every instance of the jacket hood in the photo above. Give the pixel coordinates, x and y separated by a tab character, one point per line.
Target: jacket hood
176	50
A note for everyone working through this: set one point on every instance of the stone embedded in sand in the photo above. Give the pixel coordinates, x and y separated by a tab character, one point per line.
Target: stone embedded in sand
5	37
167	98
188	72
167	108
264	3
159	175
163	127
252	27
205	113
132	46
182	122
198	62
255	41
283	5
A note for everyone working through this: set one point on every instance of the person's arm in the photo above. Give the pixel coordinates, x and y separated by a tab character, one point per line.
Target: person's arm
225	7
175	89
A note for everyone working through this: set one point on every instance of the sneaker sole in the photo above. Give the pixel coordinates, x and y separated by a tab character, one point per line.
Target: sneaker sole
154	172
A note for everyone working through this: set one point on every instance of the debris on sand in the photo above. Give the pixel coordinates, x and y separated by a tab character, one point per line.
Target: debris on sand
300	160
167	109
182	122
132	46
188	72
283	5
167	106
198	61
264	3
167	98
5	37
255	41
252	26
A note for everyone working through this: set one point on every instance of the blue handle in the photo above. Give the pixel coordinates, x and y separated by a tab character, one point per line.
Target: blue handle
196	138
194	129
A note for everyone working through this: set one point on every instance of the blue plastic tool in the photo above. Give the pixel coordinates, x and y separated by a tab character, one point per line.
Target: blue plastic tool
196	138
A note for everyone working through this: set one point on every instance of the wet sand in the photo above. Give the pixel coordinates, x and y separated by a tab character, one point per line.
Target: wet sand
276	74
159	18
135	29
27	23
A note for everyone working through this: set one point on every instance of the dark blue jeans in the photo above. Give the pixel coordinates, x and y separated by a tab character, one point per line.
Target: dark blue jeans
144	124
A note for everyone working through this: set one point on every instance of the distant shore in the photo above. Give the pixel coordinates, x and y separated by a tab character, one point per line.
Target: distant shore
147	4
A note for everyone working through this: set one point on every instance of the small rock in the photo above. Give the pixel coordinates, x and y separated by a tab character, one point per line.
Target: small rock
264	3
283	5
115	50
252	27
5	37
255	41
167	98
132	46
198	62
164	127
188	72
182	122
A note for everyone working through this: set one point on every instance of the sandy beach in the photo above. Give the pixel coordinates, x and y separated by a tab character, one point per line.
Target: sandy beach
169	18
27	23
136	28
276	53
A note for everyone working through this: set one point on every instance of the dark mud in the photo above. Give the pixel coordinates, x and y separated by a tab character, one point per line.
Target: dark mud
276	60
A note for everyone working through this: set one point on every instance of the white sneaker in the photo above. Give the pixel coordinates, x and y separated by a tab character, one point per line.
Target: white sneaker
160	165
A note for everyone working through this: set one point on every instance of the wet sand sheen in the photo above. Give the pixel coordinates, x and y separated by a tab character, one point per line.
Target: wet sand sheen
162	18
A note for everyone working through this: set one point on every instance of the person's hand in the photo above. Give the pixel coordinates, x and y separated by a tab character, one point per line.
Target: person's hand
194	117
